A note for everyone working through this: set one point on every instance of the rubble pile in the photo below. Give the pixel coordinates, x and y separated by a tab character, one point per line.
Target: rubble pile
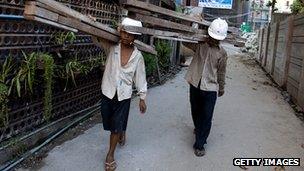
251	45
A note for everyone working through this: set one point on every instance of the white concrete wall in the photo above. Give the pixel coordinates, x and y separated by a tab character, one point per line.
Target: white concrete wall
282	6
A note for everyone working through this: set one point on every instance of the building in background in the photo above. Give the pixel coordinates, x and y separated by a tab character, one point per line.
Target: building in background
283	6
193	3
282	10
260	14
234	11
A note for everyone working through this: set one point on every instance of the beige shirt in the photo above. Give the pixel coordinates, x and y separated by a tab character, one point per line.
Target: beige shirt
209	66
119	79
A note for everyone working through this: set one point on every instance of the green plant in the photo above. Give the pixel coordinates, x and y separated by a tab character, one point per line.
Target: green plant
297	7
19	149
48	63
26	73
179	8
97	61
150	63
114	24
73	68
62	38
3	107
163	49
6	70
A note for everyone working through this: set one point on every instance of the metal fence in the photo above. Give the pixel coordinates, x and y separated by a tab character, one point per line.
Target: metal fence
17	35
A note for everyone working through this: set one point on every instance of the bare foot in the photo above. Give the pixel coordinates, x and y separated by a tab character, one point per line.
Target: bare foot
110	164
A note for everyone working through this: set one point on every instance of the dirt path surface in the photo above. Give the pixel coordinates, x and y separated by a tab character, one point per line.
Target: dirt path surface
251	120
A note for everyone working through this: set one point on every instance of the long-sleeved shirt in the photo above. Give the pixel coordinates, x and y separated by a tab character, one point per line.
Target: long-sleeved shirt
208	66
119	79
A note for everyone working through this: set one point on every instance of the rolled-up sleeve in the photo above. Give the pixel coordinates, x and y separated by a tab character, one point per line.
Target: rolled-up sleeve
221	73
140	78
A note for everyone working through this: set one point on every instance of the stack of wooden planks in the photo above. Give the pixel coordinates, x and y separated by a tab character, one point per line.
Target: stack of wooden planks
58	15
159	20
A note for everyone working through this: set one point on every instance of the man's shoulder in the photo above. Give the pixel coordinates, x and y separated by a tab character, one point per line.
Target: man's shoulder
223	51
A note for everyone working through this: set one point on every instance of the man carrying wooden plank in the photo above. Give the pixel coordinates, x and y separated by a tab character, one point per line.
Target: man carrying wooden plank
124	65
206	76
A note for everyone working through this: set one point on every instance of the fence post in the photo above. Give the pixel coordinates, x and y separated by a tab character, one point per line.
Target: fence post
264	60
287	49
261	45
276	34
300	96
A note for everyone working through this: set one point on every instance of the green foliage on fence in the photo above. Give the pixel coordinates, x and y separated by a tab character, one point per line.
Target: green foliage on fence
20	78
6	69
150	63
164	50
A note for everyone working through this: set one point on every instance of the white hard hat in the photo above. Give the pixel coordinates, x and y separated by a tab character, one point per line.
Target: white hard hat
218	29
131	22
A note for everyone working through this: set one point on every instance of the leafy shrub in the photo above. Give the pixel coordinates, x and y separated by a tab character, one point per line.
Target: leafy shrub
297	7
150	63
163	49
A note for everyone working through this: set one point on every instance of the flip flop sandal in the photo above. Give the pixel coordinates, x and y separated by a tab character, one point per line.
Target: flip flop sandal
110	166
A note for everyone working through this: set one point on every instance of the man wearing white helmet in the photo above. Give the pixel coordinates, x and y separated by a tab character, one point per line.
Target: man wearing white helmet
206	76
124	65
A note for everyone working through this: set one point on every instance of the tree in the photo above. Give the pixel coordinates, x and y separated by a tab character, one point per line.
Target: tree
297	7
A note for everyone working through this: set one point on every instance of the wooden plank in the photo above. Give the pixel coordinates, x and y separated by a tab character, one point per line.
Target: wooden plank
295	72
38	4
63	22
41	12
52	23
144	47
261	44
287	50
176	39
300	97
160	10
299	20
297	50
298	39
138	11
164	23
296	61
298	31
265	52
161	33
296	17
88	28
276	32
292	88
75	14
